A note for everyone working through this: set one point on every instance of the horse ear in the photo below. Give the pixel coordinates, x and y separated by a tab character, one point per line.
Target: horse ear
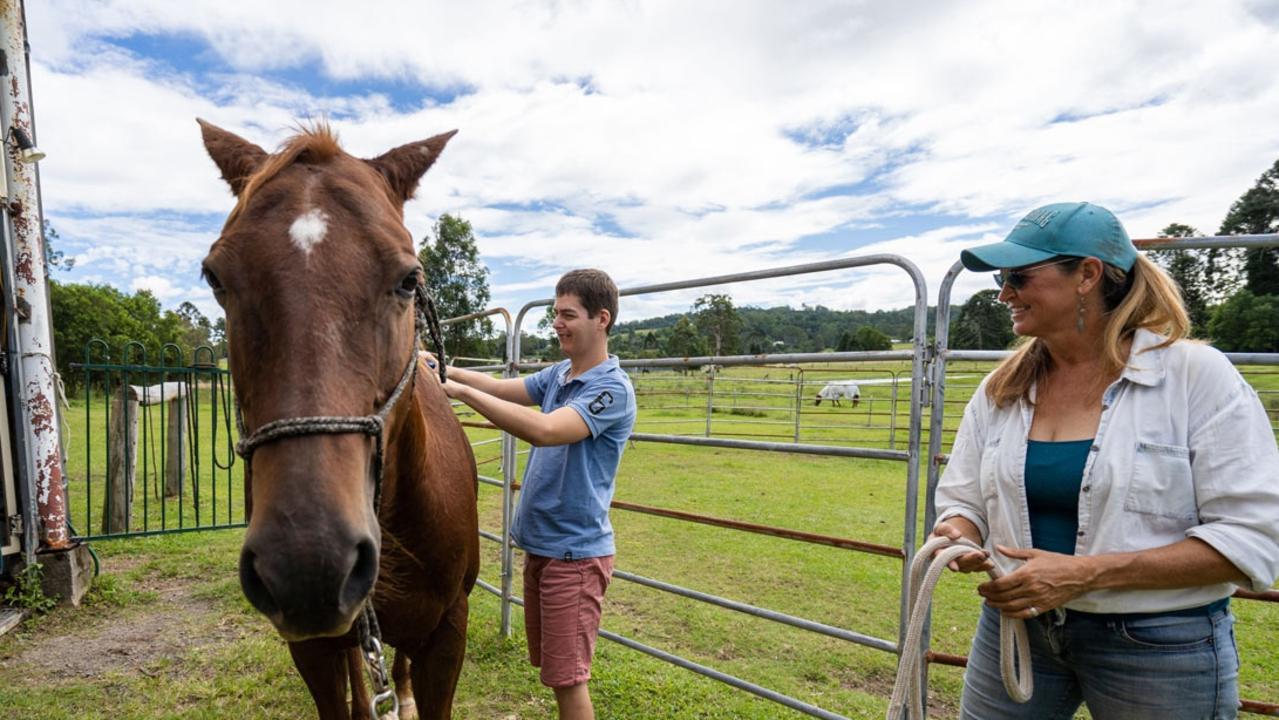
404	166
236	157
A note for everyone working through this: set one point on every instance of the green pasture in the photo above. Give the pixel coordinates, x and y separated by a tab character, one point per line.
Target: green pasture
226	661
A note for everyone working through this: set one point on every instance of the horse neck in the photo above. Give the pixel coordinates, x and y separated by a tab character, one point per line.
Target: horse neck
415	450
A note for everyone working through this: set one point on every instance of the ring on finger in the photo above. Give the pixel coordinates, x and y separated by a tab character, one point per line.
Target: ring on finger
1034	611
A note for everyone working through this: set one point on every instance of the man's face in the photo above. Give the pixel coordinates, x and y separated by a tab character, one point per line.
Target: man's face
577	331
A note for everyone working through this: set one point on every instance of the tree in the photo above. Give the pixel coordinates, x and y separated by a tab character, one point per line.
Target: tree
551	349
86	312
198	330
684	340
1246	323
868	338
54	259
217	336
717	318
983	323
459	282
1190	269
846	342
1256	212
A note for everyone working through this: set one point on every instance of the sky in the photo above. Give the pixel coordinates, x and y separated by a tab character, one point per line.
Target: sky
661	141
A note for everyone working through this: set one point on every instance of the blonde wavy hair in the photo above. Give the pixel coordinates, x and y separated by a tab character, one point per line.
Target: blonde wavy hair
1145	297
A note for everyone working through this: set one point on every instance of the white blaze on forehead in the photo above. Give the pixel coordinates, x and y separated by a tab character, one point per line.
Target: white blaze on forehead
309	229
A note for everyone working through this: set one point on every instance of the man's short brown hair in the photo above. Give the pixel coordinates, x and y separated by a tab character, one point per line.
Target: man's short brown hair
594	288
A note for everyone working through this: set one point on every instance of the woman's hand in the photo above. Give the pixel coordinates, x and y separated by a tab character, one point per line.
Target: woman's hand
1047	580
956	528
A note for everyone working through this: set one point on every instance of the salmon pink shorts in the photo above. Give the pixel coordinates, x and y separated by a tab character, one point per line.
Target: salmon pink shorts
562	601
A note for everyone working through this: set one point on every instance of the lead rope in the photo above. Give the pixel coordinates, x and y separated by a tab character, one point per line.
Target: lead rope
424	308
1013	640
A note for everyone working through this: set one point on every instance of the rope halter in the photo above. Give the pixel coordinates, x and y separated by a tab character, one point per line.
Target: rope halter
372	425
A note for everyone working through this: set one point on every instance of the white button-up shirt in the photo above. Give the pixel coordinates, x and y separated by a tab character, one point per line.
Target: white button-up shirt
1183	449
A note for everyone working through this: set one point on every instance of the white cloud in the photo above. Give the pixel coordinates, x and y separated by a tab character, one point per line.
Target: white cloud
161	287
665	140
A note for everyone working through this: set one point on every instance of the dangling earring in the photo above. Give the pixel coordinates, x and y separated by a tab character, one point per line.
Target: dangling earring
1079	318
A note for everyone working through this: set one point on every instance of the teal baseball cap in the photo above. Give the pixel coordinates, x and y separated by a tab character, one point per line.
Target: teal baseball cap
1077	229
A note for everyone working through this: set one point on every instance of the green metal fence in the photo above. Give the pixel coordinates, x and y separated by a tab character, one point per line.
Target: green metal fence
150	446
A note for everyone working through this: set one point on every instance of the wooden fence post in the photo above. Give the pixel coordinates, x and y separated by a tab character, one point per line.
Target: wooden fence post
176	467
122	456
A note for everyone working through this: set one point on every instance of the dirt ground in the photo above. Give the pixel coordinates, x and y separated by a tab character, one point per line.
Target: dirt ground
131	640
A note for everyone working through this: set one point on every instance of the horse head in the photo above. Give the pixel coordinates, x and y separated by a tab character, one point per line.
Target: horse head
317	276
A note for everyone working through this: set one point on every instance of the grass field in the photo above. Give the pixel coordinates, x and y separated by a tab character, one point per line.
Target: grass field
168	634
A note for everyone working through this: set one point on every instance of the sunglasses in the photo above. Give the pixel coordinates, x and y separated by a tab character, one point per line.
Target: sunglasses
1017	279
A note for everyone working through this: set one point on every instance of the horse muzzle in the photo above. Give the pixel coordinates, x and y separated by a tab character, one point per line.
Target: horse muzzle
308	589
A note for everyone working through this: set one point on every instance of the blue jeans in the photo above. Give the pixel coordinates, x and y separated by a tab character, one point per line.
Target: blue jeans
1158	667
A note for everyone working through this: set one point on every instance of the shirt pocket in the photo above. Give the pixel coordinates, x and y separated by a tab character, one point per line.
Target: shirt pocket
988	475
1161	482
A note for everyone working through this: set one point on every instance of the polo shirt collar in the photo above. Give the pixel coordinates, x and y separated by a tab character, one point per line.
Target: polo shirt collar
609	364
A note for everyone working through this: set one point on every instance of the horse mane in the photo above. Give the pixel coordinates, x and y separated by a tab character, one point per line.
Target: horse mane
318	141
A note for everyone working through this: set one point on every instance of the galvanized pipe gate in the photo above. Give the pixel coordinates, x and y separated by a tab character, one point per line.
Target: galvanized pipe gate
927	387
910	456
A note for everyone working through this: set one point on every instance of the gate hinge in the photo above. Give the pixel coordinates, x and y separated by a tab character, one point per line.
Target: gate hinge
14	523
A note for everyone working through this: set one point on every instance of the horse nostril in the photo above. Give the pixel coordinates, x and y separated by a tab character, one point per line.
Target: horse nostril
363	574
257	592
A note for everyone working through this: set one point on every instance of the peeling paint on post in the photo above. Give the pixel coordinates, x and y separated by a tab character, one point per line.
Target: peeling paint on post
35	344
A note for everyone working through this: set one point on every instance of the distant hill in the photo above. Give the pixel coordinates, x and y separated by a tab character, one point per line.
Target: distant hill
778	329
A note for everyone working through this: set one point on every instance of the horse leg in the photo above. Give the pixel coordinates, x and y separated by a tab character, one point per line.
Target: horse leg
437	664
404	686
359	691
323	669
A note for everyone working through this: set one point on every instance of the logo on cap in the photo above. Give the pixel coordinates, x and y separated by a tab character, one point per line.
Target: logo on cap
1040	217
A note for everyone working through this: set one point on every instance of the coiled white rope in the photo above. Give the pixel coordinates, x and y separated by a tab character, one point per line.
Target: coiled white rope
925	570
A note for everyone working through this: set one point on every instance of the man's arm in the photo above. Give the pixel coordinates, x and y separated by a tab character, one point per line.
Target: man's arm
509	389
561	427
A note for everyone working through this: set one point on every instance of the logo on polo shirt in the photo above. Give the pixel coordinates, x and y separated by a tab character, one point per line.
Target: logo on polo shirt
601	401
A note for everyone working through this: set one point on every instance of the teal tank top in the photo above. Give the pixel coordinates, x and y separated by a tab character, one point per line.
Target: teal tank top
1054	472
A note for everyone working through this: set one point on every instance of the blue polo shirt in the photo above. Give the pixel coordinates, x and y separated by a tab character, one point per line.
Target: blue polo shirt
564	499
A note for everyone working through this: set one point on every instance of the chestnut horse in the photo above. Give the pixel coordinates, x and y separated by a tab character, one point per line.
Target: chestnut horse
360	481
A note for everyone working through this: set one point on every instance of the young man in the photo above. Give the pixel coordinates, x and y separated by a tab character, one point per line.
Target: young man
561	522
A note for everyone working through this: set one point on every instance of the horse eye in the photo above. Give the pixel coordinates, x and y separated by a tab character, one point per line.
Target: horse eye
214	283
408	286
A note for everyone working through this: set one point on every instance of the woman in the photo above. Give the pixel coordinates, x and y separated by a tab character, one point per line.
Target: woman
1124	478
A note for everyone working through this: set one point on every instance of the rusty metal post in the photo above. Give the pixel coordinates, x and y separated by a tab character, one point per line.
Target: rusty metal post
37	394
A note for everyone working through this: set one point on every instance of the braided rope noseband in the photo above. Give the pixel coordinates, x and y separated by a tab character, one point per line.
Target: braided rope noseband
333	425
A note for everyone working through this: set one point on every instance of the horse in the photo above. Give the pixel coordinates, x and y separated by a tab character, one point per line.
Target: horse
837	390
360	482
